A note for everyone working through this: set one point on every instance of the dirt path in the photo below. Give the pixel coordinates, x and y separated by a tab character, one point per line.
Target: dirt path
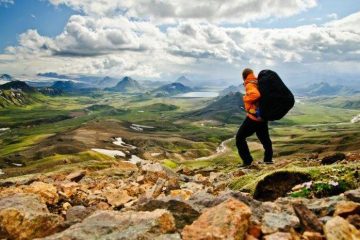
220	150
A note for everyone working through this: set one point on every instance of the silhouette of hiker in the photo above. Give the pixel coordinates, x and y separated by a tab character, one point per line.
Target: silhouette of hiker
253	123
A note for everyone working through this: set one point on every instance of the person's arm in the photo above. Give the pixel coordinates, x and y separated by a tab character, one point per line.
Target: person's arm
252	93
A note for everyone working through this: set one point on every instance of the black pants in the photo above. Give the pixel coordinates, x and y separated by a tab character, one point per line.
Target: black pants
248	128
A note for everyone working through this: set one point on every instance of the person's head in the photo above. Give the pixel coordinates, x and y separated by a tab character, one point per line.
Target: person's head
246	72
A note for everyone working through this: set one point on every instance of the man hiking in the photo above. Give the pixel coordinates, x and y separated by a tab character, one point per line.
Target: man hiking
253	122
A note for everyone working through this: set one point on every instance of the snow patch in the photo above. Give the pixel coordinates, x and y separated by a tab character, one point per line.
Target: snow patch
1	172
119	142
111	153
355	119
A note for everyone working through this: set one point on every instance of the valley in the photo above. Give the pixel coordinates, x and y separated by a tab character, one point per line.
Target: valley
116	137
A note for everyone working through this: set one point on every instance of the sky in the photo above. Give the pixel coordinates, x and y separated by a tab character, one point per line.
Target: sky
303	40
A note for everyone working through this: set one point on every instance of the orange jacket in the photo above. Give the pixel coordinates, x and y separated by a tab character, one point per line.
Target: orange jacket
251	96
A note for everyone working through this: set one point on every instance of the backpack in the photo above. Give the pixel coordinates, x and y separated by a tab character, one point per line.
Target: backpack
276	99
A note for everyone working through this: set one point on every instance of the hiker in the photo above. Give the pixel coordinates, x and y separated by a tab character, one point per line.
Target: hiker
253	122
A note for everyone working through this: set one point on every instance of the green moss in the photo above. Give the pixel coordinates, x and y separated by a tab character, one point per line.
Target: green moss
170	164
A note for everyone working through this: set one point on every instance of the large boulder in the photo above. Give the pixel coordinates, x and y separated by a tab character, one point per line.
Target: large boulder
113	225
353	195
183	212
339	229
273	222
347	208
24	216
228	220
47	192
278	184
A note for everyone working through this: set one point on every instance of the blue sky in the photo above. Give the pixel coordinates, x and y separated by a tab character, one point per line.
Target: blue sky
174	38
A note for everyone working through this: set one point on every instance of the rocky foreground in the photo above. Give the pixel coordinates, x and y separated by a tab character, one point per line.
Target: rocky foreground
149	201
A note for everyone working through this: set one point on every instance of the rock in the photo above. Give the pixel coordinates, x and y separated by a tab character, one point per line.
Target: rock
308	219
68	189
182	194
46	192
113	225
24	216
278	184
347	208
78	213
76	176
199	178
228	220
273	222
194	187
66	206
255	230
250	237
279	236
184	213
174	236
333	158
353	195
153	171
312	236
354	220
325	206
117	197
339	229
156	189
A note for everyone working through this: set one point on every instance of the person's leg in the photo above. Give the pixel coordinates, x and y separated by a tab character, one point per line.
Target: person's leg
263	134
247	128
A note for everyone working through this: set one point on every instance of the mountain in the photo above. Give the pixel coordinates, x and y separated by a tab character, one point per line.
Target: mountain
70	86
225	109
19	86
126	85
171	90
231	89
6	77
325	89
184	80
106	82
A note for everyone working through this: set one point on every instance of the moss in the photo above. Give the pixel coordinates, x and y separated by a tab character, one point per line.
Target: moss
170	164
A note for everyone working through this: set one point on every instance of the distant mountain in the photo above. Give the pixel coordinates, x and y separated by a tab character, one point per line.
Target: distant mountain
325	89
6	77
126	85
71	86
184	80
225	109
53	75
171	90
231	89
106	82
18	85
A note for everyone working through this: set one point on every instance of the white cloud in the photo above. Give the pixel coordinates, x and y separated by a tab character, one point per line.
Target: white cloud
231	11
6	2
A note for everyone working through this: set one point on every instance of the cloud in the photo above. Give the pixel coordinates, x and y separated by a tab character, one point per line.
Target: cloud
231	11
6	3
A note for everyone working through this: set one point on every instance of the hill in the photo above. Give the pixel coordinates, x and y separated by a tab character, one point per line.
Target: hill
225	109
19	86
126	85
69	86
6	78
325	89
106	82
171	90
231	89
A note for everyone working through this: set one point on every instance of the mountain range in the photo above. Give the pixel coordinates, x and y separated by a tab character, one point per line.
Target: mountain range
126	85
325	89
171	89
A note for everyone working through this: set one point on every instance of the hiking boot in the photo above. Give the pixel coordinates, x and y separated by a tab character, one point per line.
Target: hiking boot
269	162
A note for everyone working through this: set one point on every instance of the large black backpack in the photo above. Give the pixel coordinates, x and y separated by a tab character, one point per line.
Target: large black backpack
276	99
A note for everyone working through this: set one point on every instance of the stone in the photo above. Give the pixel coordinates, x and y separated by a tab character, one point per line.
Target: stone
113	225
354	220
78	213
156	189
308	219
117	197
339	229
182	194
24	216
250	237
174	236
331	159
47	192
325	206
68	189
353	195
66	206
199	178
255	230
313	236
76	176
279	236
183	212
347	208
278	184
228	220
274	222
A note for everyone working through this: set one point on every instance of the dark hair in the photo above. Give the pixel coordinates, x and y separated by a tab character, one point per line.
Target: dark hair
246	72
